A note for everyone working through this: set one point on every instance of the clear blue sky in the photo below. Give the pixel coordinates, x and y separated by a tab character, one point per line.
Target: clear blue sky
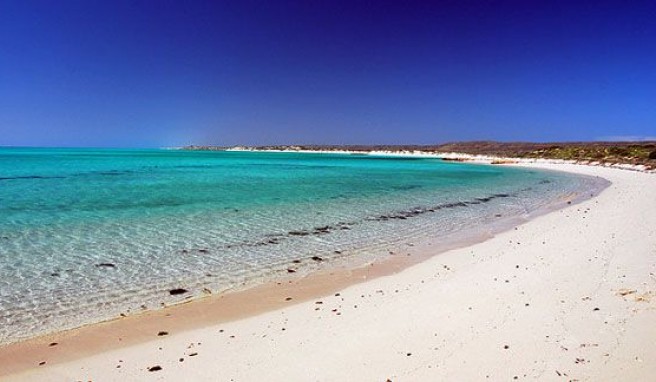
156	73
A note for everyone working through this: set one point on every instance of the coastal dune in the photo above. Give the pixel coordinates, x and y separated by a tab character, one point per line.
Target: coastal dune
569	295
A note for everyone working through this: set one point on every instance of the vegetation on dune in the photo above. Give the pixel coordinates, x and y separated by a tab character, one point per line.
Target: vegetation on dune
643	153
605	152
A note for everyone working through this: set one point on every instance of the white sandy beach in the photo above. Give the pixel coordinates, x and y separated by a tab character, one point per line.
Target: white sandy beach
567	296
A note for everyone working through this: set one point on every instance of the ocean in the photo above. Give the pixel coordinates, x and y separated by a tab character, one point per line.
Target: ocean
89	234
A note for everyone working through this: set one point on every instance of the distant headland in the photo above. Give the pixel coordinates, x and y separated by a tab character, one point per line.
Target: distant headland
634	153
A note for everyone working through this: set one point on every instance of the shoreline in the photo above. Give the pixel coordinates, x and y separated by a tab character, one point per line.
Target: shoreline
146	335
198	312
354	258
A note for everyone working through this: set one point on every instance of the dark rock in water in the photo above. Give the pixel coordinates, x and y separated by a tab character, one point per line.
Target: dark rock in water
289	270
177	291
296	261
298	233
317	258
155	368
320	230
55	274
202	250
105	265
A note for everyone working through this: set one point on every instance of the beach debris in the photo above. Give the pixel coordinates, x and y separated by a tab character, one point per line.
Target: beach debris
42	363
317	258
163	333
203	250
193	354
297	261
53	344
177	291
506	347
106	265
288	299
290	270
623	292
645	297
155	368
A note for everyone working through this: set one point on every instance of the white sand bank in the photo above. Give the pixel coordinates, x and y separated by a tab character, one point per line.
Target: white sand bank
542	302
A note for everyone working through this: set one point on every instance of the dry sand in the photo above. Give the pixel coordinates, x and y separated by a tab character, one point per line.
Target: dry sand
567	296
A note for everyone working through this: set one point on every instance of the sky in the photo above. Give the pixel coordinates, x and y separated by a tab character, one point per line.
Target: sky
170	73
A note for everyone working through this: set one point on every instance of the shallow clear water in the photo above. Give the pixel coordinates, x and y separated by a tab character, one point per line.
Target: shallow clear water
87	234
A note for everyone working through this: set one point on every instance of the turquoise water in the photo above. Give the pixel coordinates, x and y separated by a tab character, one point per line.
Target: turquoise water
88	234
